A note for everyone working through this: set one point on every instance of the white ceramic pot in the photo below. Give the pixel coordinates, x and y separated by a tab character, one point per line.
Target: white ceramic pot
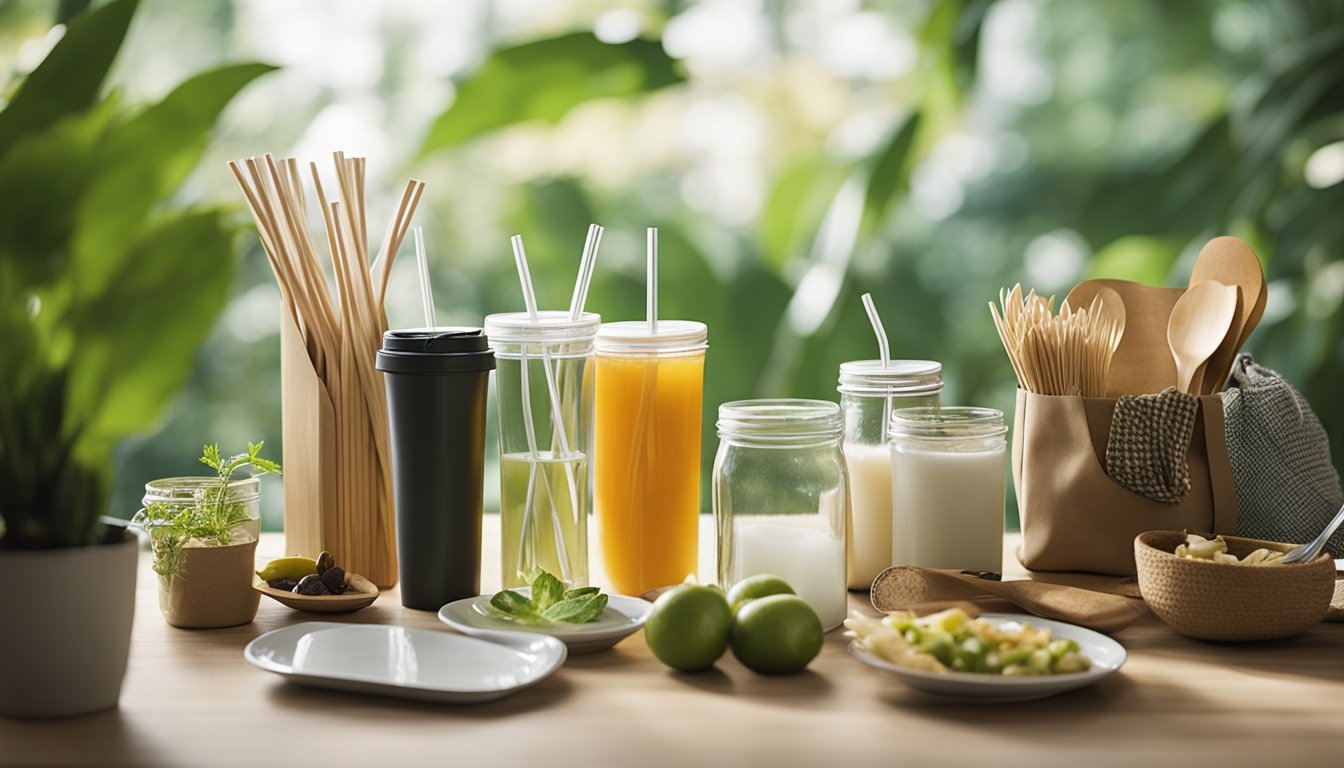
66	617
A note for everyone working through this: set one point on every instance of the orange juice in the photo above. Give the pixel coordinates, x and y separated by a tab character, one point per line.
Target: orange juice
649	391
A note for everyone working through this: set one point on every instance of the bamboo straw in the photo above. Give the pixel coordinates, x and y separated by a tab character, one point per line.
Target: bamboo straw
340	330
1068	353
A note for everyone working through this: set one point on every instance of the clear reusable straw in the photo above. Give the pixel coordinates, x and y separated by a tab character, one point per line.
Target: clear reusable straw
585	277
426	290
651	282
883	349
530	300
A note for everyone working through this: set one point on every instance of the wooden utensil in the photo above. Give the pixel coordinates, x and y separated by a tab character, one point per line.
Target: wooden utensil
359	593
1231	261
902	586
1198	324
1142	362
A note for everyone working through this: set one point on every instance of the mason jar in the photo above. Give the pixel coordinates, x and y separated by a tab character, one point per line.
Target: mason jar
947	472
780	496
869	391
196	491
544	392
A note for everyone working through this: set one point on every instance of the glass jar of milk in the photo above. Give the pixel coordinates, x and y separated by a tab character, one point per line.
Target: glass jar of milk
780	497
947	475
869	392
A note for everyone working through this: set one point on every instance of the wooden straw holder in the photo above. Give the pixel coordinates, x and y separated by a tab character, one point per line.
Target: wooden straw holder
335	496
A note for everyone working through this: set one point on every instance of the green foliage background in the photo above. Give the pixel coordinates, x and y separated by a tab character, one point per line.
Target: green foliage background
1041	141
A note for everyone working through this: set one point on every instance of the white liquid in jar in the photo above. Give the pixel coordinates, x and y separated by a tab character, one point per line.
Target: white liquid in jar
800	549
869	528
947	508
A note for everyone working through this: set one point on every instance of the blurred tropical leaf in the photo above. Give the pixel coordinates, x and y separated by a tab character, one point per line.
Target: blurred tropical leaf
144	159
890	175
1140	259
797	202
138	337
69	79
543	80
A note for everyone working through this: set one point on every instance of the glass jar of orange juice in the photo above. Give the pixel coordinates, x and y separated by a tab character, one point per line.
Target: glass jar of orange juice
649	389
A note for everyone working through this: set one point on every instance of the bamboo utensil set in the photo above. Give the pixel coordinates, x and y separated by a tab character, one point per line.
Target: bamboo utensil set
1060	354
1133	339
338	490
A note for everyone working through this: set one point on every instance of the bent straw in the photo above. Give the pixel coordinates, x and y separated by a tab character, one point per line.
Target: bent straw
883	350
426	290
553	391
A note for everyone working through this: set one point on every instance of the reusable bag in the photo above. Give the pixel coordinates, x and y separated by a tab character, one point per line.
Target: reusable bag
1287	488
1074	516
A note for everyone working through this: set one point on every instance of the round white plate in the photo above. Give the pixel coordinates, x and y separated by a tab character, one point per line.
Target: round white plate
404	662
1106	654
622	618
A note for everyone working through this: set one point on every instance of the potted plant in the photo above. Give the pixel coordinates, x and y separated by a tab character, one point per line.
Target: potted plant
106	291
203	533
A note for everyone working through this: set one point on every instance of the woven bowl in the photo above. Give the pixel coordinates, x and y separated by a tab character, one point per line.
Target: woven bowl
1220	601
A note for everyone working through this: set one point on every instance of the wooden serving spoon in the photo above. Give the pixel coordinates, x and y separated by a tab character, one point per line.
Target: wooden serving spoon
1230	261
902	586
1198	325
1142	362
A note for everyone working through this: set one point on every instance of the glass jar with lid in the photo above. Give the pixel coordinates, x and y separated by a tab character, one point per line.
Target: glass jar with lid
947	471
779	498
869	391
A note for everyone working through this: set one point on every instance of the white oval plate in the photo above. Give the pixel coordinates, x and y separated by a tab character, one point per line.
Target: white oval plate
622	618
404	662
1106	654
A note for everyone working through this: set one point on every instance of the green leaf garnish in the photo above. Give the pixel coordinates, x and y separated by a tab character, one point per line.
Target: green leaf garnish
546	590
577	610
551	603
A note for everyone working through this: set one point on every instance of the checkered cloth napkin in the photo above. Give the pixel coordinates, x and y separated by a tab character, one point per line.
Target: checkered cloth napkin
1150	435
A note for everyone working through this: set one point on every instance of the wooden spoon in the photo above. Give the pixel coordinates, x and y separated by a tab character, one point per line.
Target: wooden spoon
1230	261
902	586
1198	325
1142	363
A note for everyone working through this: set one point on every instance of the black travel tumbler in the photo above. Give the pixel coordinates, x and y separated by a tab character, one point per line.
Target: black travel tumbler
436	384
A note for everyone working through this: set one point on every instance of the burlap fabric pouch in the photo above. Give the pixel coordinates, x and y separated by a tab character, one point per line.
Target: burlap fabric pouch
1287	488
1074	516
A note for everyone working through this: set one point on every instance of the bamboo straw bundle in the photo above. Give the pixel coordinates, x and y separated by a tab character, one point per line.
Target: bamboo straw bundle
1059	354
350	516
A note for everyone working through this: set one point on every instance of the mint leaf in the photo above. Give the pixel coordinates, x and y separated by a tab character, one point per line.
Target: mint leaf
514	604
577	610
581	592
546	591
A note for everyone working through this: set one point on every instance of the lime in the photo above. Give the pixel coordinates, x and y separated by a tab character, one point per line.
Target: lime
753	587
776	635
689	627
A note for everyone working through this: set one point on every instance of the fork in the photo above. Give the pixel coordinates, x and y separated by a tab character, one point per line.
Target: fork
1310	550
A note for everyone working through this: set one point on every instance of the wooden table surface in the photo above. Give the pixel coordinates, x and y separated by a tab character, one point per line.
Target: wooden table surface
190	699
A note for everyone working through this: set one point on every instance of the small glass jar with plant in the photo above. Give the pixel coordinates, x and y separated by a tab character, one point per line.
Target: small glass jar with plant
203	534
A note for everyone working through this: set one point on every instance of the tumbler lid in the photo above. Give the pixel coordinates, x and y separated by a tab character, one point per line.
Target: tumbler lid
673	338
435	350
899	377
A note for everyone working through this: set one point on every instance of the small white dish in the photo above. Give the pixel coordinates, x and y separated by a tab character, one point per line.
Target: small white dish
1106	654
405	662
623	617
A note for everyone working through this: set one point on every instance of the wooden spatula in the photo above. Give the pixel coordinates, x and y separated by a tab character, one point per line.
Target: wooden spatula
1142	363
902	586
1231	261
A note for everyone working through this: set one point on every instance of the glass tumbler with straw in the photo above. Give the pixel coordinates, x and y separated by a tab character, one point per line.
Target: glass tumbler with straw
649	389
545	484
545	401
869	390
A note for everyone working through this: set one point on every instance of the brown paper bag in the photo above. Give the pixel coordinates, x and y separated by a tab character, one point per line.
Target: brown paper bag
1074	516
